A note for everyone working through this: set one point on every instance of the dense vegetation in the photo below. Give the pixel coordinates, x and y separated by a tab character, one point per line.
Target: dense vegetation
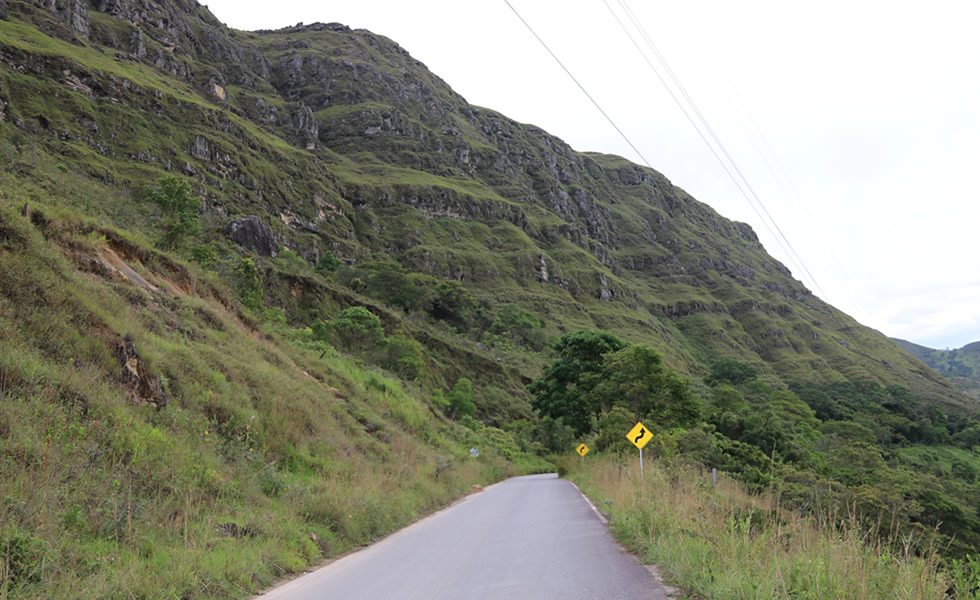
261	292
874	453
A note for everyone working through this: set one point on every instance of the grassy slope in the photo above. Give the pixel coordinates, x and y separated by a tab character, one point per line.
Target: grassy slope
266	459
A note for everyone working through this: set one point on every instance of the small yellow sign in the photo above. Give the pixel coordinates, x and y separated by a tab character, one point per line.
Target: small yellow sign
639	435
582	449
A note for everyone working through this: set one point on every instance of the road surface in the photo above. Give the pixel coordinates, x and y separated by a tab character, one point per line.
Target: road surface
528	538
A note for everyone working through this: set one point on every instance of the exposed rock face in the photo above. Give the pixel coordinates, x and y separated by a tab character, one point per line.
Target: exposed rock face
143	388
253	234
304	123
72	12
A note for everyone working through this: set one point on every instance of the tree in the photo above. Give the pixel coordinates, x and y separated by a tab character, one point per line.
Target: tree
562	391
731	371
356	329
328	262
460	400
454	304
173	195
636	376
401	356
248	280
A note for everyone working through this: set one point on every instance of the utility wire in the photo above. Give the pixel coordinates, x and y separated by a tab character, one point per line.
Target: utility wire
701	134
604	114
580	86
791	252
793	195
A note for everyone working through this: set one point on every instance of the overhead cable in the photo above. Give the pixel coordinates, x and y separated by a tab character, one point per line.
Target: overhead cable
788	247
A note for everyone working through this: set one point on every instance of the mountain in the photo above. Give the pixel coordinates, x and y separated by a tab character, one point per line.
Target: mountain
961	366
338	141
261	293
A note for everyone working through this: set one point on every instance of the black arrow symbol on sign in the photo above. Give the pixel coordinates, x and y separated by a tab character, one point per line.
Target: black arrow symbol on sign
643	432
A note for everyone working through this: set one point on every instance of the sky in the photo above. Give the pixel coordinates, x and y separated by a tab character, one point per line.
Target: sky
855	124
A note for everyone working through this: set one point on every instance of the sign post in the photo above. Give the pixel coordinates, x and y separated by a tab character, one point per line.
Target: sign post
640	436
582	450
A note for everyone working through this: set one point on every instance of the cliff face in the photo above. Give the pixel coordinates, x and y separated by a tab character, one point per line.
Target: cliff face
327	138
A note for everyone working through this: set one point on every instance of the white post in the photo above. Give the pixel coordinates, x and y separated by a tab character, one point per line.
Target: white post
714	476
641	462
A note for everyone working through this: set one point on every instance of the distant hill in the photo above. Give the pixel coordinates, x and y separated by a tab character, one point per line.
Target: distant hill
961	366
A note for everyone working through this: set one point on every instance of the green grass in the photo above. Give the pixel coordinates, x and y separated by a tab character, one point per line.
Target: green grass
719	542
266	459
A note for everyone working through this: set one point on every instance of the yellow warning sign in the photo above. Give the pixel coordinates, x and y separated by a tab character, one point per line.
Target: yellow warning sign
582	449
639	435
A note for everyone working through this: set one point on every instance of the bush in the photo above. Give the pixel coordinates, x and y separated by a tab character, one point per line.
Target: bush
329	263
460	400
355	329
401	356
173	195
248	280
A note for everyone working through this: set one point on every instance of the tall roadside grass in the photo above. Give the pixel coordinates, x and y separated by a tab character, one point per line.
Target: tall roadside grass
268	457
720	542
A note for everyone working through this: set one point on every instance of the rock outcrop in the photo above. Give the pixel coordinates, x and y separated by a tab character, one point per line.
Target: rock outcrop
252	233
143	388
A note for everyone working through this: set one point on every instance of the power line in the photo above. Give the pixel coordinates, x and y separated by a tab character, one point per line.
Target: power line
791	252
679	104
580	86
793	194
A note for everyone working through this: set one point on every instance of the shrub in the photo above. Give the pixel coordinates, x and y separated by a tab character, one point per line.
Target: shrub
401	356
356	329
329	263
173	195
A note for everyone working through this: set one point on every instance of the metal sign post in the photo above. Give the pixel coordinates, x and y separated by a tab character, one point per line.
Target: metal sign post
640	436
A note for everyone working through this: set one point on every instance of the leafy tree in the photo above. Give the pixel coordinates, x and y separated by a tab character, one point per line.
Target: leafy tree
636	375
454	304
356	329
729	370
248	280
173	195
727	411
460	400
401	355
562	391
555	435
612	430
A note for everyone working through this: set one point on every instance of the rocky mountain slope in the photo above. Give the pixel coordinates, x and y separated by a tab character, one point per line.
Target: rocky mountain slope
324	139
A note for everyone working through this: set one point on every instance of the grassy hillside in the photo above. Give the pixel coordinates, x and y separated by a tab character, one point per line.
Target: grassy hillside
158	441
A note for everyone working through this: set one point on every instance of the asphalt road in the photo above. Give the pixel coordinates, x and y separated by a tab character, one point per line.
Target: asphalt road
527	538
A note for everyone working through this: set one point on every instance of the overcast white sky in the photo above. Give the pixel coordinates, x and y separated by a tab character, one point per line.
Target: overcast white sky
856	122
